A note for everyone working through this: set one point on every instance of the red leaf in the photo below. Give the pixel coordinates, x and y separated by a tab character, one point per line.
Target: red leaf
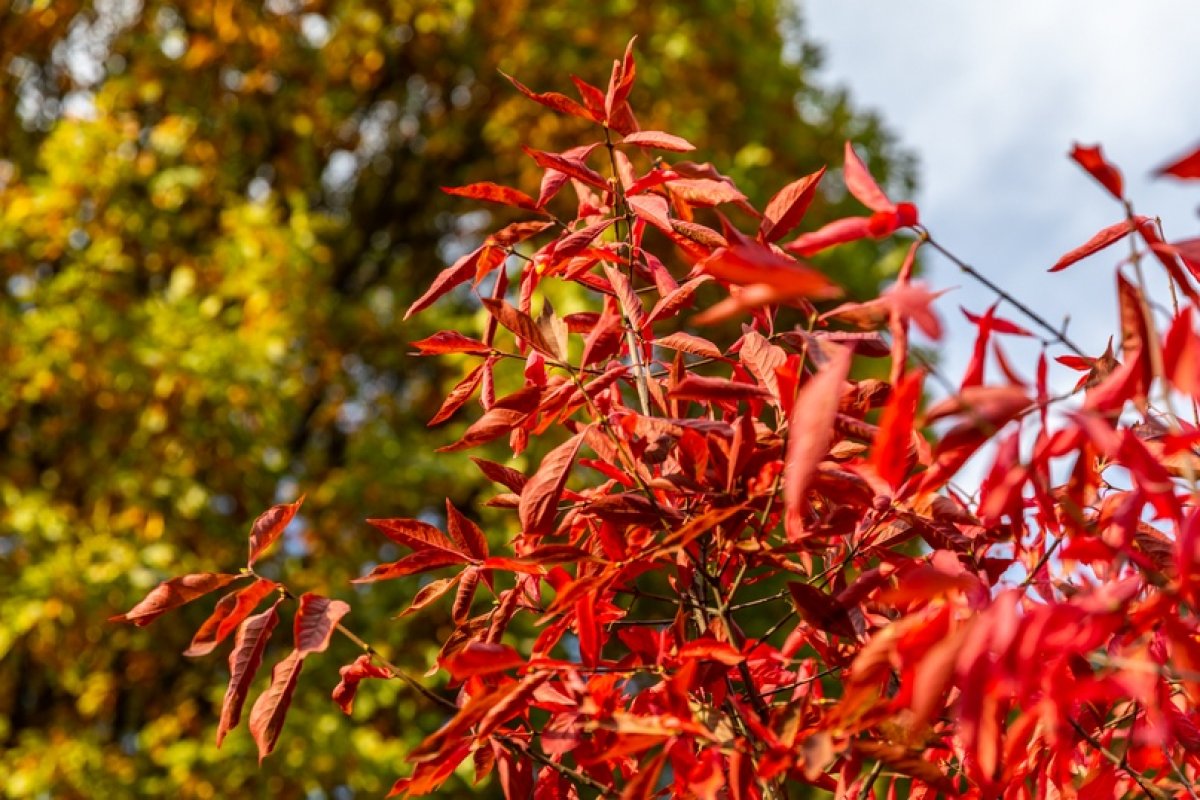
820	610
482	658
506	414
621	82
680	298
811	431
576	242
688	343
516	702
517	232
1187	168
1092	160
465	533
554	100
660	141
244	661
458	396
712	650
352	675
862	185
427	594
996	324
571	167
913	301
458	272
172	594
444	342
539	498
839	231
493	193
705	390
271	707
756	264
498	473
229	613
706	191
1106	237
269	526
653	209
414	564
412	533
521	324
788	206
889	455
315	622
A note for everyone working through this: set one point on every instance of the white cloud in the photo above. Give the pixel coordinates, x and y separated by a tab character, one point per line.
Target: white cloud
991	97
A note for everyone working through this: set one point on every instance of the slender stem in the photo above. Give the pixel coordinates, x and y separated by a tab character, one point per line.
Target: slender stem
1058	335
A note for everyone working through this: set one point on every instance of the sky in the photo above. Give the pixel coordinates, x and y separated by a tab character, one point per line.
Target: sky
990	97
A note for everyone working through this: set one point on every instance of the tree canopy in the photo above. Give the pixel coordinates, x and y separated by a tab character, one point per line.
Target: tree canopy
212	215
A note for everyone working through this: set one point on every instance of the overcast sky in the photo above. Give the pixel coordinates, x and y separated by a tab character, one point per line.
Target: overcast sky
990	96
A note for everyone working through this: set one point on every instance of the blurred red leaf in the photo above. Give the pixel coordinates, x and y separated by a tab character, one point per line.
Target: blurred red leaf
493	193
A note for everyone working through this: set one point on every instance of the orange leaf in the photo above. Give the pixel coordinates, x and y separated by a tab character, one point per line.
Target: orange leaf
811	431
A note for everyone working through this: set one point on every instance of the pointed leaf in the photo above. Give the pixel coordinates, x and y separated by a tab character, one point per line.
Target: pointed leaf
520	324
862	185
228	615
271	707
1186	168
553	100
269	526
244	661
172	594
659	141
889	455
444	342
787	208
539	498
493	193
457	273
1092	160
315	622
414	564
458	396
428	594
482	658
705	390
1106	237
811	429
837	232
687	343
465	533
571	167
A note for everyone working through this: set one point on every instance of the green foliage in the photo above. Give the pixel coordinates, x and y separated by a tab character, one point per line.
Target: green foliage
210	215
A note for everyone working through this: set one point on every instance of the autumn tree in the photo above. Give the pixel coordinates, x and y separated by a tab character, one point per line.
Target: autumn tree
212	216
1031	636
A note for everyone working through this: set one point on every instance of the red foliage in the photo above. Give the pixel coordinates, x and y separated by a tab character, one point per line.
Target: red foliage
1038	638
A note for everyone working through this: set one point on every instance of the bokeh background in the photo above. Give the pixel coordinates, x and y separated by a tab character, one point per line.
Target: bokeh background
214	213
212	217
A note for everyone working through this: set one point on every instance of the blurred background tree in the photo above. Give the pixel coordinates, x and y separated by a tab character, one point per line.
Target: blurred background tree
212	216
